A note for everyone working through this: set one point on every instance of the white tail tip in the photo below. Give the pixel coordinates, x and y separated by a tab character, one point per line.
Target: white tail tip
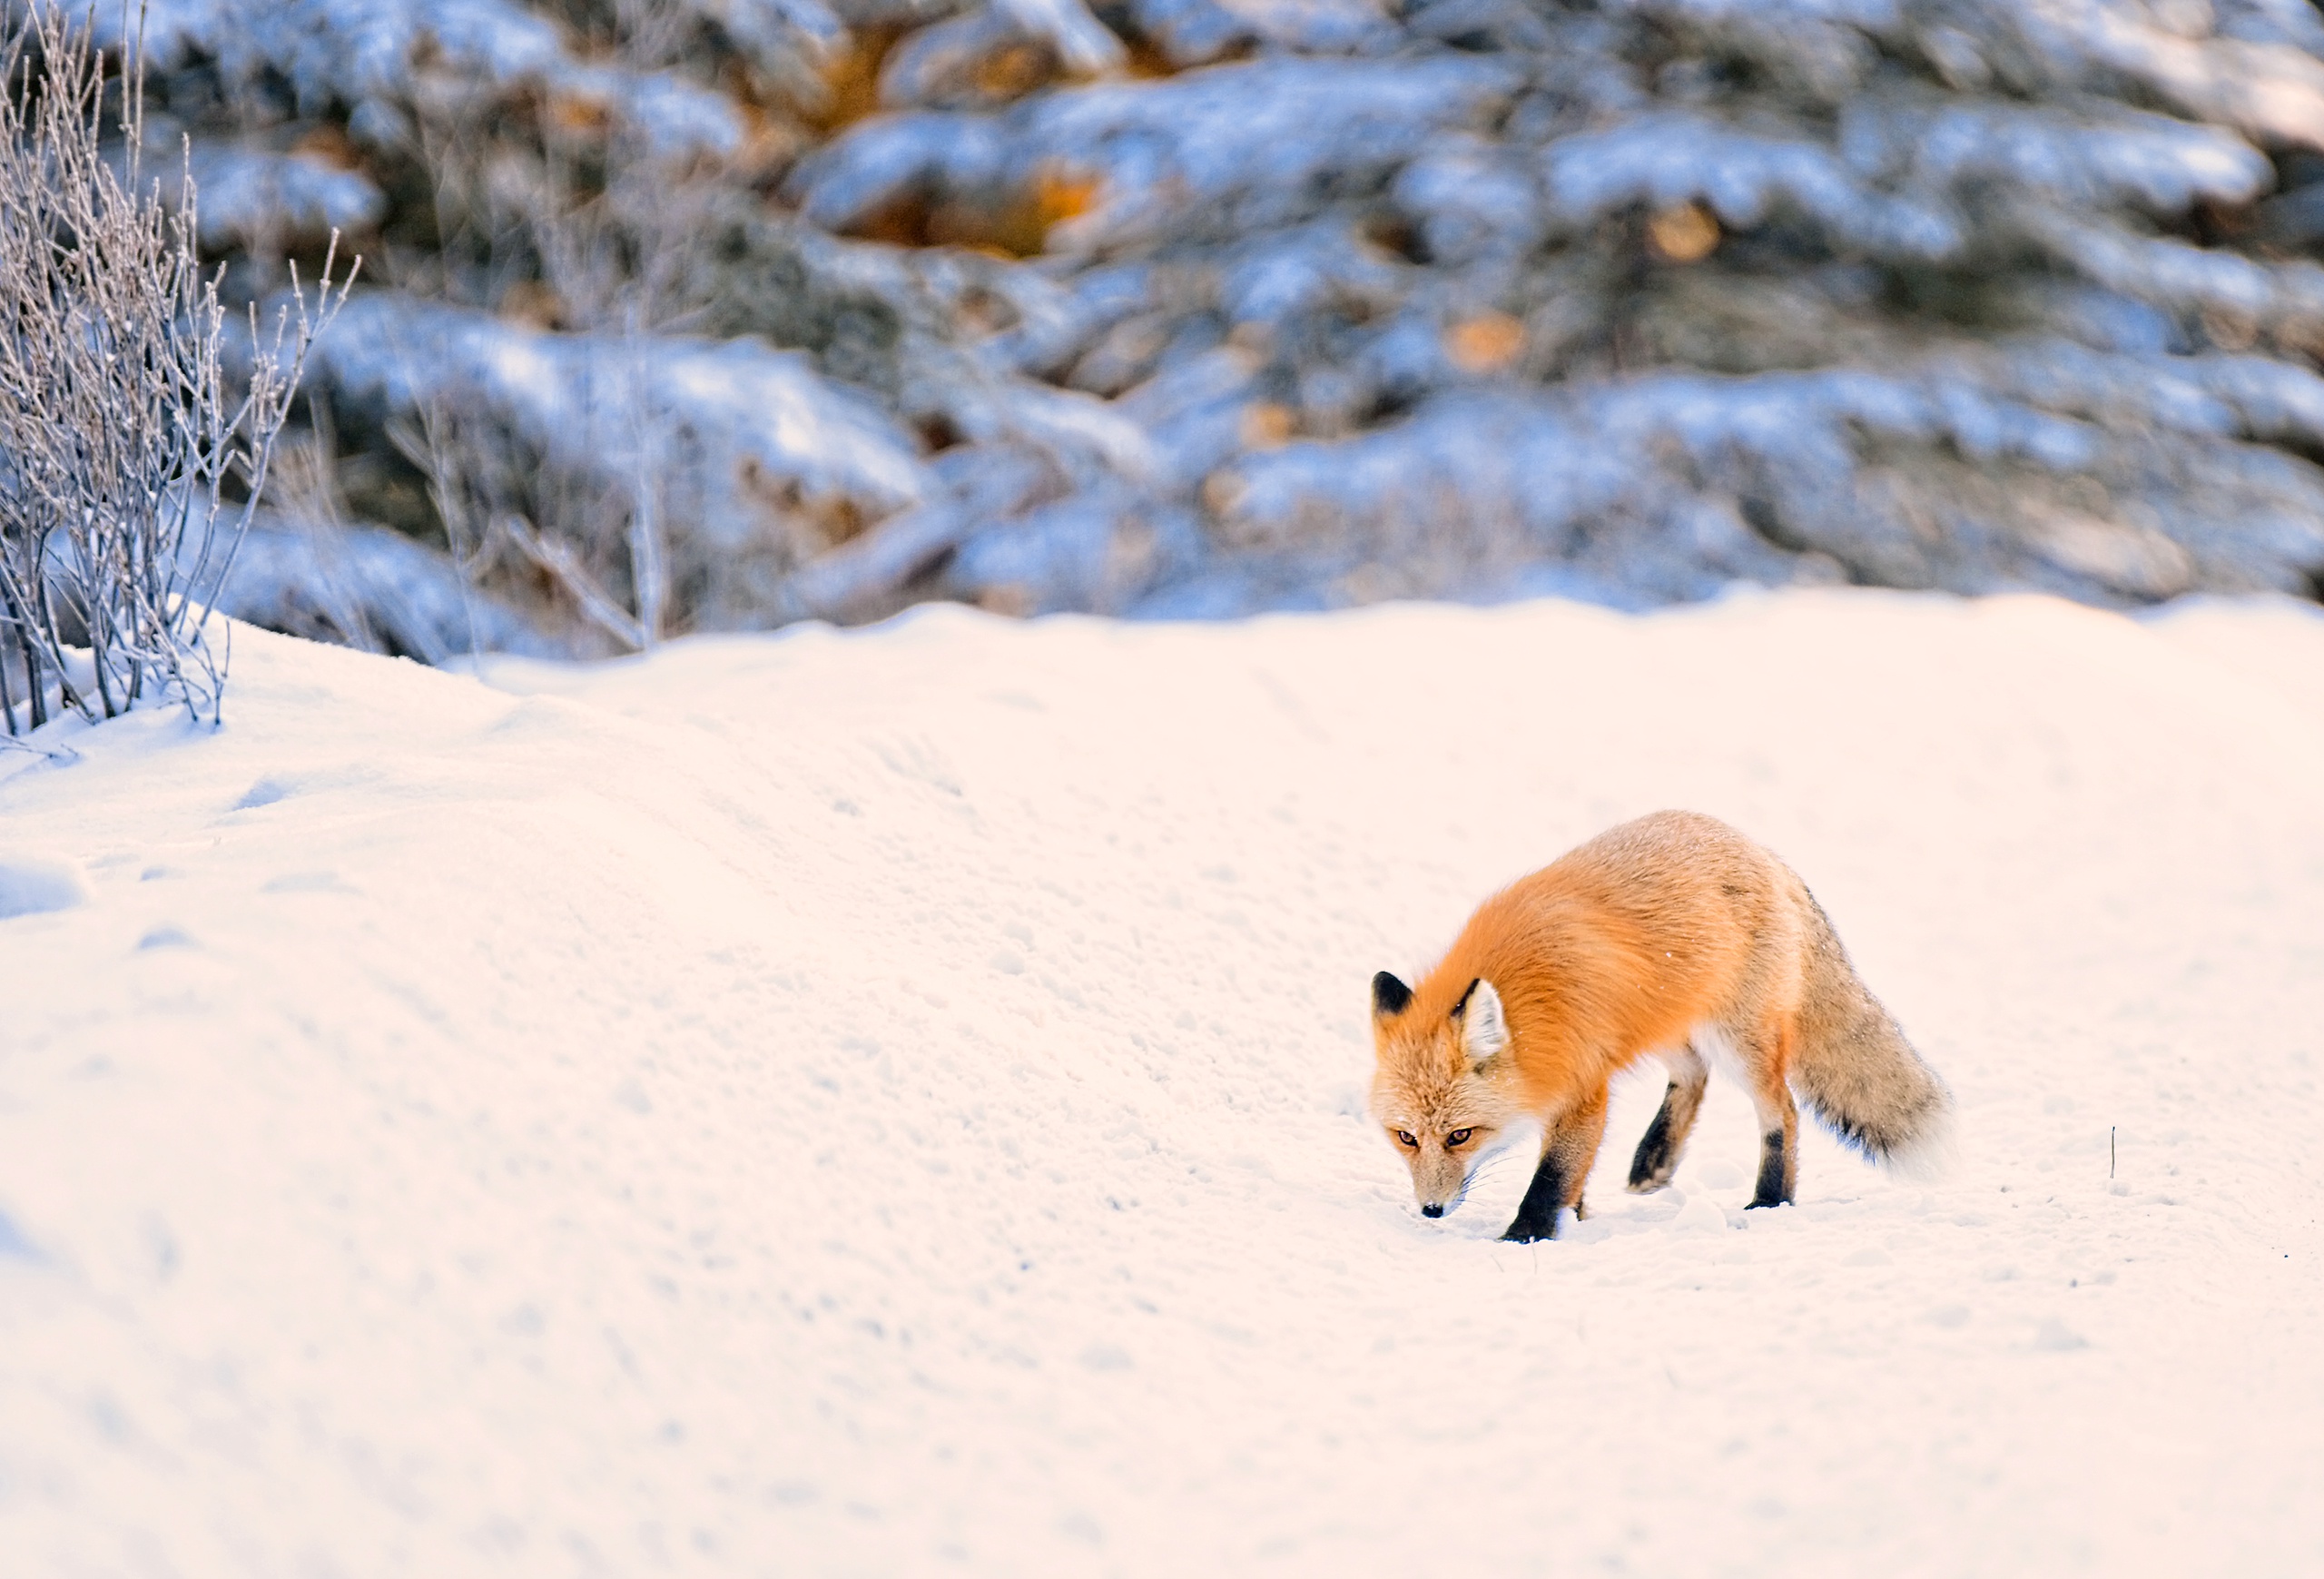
1930	1155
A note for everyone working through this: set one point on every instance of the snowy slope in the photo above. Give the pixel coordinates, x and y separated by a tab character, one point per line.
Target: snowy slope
889	1102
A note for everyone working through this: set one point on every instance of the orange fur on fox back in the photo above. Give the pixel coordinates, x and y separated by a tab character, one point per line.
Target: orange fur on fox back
1619	949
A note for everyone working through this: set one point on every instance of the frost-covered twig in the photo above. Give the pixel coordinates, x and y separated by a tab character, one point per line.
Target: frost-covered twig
130	469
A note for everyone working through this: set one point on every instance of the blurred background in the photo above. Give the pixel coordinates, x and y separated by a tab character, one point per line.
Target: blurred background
719	314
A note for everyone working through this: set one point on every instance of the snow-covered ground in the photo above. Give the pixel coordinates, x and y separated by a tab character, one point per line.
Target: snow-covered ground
889	1102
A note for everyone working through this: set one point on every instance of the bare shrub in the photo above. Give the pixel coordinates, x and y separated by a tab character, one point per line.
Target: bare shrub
509	511
307	492
581	227
130	464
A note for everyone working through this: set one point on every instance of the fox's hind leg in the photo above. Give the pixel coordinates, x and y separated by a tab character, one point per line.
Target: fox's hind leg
1767	1062
1666	1138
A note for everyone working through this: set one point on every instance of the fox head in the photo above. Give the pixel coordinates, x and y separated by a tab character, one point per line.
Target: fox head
1436	1087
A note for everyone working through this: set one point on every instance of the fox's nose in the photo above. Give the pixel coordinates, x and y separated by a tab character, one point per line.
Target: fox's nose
1432	1210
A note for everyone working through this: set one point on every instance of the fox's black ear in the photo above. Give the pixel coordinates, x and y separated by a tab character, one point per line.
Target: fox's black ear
1389	997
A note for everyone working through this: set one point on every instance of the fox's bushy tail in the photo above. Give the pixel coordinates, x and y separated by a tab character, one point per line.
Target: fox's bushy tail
1858	1073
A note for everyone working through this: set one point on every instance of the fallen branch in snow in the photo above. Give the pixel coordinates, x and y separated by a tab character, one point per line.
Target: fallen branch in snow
870	572
559	559
54	755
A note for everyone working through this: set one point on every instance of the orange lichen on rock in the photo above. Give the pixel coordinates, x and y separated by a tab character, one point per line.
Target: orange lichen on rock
328	144
1265	425
1684	234
579	115
1015	70
1061	194
1014	224
851	79
1485	343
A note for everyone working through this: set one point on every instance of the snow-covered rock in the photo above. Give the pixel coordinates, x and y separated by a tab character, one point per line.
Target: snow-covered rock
1052	228
753	444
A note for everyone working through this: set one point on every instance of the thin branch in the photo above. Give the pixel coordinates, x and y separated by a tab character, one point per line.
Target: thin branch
555	557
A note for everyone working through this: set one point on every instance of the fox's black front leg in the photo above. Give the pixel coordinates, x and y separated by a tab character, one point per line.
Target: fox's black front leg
1568	1148
1537	1214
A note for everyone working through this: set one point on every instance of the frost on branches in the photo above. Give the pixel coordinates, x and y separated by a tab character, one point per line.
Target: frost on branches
131	463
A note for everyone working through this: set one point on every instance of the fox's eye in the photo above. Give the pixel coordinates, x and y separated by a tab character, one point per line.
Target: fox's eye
1457	1136
1407	1137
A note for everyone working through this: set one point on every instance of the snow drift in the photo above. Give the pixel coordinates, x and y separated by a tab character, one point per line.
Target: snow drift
889	1102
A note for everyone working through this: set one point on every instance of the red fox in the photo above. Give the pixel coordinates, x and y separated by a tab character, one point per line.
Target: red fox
1671	936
